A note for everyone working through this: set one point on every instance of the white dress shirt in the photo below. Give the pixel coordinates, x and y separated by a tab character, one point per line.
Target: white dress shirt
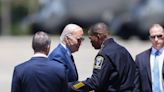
68	51
39	55
160	59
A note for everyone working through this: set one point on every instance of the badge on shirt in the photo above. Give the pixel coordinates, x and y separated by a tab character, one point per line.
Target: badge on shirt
98	62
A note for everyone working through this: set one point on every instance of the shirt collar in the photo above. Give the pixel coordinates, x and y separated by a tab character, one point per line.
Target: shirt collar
65	47
39	55
154	50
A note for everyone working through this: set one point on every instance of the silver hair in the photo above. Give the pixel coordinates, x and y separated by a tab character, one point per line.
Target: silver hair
40	42
69	29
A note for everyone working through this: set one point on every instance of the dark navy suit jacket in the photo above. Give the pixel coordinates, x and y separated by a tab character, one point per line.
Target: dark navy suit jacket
60	55
39	75
143	63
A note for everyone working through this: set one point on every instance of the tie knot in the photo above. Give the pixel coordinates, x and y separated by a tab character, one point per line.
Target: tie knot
157	53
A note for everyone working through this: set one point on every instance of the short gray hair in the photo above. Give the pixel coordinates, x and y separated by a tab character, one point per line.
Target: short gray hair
69	29
156	26
40	42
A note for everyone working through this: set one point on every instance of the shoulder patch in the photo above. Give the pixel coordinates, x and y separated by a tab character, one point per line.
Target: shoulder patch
98	62
78	85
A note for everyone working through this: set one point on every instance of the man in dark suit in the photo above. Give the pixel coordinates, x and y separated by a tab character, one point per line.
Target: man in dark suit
38	74
71	39
147	59
113	68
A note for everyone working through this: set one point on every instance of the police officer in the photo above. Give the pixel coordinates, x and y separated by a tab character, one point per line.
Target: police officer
114	67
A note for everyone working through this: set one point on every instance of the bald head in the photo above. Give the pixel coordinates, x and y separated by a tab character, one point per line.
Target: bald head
70	29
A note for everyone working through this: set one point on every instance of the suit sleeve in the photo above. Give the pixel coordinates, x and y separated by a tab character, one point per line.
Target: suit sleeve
65	80
101	72
137	78
16	84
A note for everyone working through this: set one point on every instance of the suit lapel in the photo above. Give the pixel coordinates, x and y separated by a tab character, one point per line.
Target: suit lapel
71	63
69	60
147	59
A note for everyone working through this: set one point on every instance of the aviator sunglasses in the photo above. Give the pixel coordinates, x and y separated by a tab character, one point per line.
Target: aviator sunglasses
158	36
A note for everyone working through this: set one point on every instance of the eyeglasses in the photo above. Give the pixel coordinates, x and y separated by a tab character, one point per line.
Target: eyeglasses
158	36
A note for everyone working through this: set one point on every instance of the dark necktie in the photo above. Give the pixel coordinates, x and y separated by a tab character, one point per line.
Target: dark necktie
72	59
74	66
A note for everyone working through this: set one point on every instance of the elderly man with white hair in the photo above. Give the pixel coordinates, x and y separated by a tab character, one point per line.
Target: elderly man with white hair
71	39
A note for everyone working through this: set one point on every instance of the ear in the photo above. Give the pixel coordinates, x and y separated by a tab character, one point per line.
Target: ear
71	40
98	36
48	46
47	50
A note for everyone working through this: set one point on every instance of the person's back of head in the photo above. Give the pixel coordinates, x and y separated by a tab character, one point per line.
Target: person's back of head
41	43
